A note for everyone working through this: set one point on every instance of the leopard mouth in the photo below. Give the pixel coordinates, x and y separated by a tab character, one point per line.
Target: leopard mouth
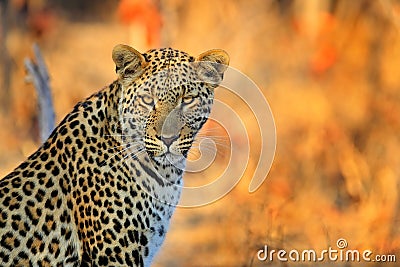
169	158
166	151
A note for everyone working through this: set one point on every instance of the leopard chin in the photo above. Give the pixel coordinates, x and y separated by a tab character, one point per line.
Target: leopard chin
178	161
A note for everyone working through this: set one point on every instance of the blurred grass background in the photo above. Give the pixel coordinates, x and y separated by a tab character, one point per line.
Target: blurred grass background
329	69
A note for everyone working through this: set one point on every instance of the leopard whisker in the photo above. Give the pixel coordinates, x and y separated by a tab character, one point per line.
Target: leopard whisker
198	143
122	135
198	152
128	146
210	129
219	137
135	154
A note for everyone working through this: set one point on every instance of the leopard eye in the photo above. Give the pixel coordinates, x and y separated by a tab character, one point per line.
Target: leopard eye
148	100
187	100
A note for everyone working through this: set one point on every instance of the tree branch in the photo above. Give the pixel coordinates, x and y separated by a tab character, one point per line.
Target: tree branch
38	74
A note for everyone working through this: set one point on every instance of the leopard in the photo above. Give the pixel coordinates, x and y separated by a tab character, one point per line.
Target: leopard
101	190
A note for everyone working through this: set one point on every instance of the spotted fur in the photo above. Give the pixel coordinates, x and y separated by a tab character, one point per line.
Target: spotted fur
102	189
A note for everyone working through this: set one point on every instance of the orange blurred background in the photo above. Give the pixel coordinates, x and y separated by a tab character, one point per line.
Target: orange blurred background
329	69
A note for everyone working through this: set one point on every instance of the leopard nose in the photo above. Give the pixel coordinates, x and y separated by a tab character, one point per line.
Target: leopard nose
168	140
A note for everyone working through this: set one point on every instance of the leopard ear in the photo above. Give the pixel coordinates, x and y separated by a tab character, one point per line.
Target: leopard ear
212	65
129	63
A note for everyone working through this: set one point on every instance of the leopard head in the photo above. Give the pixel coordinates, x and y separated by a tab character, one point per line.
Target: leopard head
166	98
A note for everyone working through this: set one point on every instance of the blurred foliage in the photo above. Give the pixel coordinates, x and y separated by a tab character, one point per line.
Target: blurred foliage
330	71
